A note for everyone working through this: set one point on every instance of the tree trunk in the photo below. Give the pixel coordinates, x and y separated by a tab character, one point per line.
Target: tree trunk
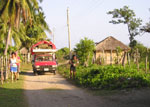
7	41
123	61
17	19
87	61
6	68
2	71
5	52
137	58
146	60
129	60
149	64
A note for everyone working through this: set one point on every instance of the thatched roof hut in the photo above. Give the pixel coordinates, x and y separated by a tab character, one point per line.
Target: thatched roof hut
107	53
110	43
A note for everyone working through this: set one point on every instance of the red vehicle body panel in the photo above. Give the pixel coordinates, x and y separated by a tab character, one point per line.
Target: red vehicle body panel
44	63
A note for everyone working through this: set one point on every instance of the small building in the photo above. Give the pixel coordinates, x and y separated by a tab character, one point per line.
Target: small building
24	51
25	54
111	51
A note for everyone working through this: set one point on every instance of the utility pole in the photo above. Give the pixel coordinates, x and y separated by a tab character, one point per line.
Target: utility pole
68	24
53	34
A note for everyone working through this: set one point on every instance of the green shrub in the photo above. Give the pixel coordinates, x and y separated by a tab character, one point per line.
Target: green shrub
110	77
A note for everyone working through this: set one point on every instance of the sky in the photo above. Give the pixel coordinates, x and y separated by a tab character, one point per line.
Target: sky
89	18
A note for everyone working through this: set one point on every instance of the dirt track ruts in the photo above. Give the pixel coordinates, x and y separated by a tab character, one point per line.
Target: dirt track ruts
55	91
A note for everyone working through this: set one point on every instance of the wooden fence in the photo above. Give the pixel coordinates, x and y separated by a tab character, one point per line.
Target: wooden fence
123	58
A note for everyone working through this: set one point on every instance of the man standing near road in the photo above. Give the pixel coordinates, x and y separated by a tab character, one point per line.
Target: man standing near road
73	64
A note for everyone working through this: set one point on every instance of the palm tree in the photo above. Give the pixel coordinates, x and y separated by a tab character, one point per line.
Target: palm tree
13	11
36	31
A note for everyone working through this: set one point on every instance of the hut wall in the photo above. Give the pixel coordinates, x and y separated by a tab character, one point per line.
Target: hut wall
106	56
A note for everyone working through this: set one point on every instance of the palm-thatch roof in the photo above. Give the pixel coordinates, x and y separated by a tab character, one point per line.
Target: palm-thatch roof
110	43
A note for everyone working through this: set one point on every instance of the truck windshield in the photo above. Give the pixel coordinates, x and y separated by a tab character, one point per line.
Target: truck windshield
44	58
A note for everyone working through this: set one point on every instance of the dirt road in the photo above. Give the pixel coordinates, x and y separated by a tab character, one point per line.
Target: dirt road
54	91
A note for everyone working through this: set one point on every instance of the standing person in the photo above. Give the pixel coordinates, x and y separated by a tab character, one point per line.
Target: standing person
73	64
13	66
18	65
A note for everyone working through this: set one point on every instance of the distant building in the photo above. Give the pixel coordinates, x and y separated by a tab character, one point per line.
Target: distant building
25	55
107	51
24	51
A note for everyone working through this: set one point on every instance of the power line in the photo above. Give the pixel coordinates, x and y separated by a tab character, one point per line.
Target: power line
93	8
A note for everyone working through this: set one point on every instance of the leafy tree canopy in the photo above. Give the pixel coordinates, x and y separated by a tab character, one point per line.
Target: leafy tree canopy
84	50
146	28
62	54
142	50
127	16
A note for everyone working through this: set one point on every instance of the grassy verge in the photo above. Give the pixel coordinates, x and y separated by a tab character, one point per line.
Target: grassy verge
12	94
26	67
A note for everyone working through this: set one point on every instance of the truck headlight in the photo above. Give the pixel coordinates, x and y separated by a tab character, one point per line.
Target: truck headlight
54	65
37	66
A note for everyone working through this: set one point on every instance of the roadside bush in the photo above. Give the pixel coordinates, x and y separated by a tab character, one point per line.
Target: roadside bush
64	70
110	77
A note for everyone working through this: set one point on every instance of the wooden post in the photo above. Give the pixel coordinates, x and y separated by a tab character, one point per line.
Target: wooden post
137	58
117	56
123	61
146	60
128	59
103	56
2	70
8	61
93	58
6	68
110	57
149	59
29	60
134	57
100	60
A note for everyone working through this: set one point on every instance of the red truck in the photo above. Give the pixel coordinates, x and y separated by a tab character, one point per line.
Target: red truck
43	57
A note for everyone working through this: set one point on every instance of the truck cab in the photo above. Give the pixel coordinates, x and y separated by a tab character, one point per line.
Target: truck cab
43	57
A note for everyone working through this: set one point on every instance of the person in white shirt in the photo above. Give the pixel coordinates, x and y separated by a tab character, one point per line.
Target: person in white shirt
13	66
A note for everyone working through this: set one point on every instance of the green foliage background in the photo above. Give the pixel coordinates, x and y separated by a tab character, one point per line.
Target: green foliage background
84	50
62	54
127	16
